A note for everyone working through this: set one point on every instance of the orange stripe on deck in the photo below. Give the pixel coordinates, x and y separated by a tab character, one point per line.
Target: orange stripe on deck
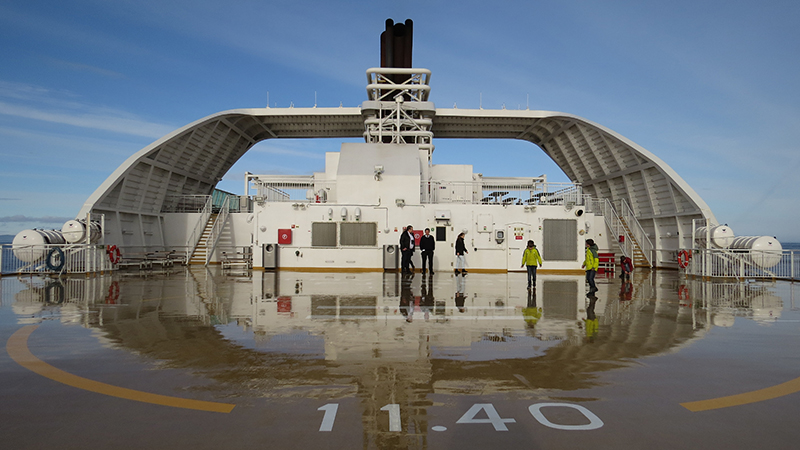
17	347
780	390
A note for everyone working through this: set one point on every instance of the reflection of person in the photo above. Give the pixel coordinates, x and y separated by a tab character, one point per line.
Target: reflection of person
406	298
427	244
426	299
626	290
461	251
530	258
406	248
531	314
592	324
461	286
591	263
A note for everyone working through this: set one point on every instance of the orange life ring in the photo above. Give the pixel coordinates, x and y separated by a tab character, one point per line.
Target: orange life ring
114	254
683	258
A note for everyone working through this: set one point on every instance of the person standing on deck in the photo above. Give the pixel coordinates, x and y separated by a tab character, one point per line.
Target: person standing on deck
530	259
461	259
591	263
427	244
406	248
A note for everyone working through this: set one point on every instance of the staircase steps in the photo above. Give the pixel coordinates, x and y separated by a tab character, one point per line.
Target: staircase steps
201	250
638	257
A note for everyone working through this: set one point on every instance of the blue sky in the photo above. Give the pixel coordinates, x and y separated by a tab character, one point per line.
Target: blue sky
710	87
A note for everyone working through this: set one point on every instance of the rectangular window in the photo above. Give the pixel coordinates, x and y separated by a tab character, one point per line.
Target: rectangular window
441	234
323	234
358	233
560	238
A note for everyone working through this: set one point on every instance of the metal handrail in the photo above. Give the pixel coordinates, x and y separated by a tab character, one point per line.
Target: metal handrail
56	259
617	226
525	191
194	237
644	242
216	229
741	264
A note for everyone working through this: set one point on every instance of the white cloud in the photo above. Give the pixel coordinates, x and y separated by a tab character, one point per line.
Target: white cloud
85	68
106	120
44	219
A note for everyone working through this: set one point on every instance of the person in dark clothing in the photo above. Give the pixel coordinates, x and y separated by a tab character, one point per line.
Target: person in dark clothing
406	248
406	298
427	244
461	251
426	300
461	296
626	267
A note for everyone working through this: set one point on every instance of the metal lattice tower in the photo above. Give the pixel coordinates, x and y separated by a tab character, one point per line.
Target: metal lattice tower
398	110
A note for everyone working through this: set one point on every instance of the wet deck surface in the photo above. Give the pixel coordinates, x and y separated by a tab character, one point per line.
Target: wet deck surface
204	360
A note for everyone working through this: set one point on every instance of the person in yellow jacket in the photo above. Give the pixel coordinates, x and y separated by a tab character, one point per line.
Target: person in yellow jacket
531	314
592	324
530	259
591	264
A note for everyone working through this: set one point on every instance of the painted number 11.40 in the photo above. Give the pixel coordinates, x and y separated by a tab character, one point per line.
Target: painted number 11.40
486	410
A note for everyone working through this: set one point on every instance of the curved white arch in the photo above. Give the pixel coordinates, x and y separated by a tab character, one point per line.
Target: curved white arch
192	160
607	164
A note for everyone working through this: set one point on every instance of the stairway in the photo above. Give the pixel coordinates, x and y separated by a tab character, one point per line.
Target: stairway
638	257
201	250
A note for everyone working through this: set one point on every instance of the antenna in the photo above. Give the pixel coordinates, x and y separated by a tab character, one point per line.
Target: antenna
267	99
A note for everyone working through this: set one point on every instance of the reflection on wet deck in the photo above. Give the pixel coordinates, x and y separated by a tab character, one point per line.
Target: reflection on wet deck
508	333
385	339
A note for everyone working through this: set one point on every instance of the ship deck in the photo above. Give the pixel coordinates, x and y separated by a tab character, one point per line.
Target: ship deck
205	359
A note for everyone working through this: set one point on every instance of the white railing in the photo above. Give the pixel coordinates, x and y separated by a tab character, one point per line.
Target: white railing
501	192
281	188
217	228
152	256
617	227
742	264
505	191
603	207
194	237
185	203
50	291
54	259
626	214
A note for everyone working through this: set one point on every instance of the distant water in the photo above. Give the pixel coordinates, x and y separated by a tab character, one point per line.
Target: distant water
790	245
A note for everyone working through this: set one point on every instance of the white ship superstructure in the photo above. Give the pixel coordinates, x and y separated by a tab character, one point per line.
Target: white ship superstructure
161	204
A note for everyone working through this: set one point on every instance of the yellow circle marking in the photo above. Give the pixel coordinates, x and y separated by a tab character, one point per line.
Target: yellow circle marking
790	387
17	347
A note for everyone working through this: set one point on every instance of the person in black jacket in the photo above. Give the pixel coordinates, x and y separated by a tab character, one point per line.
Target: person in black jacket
461	252
427	244
406	248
